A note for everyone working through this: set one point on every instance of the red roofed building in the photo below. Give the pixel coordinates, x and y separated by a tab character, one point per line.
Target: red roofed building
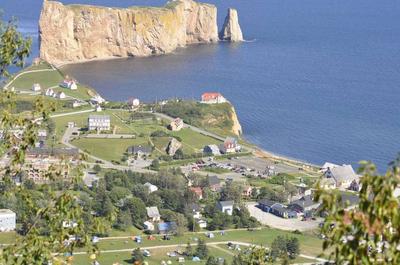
212	98
198	191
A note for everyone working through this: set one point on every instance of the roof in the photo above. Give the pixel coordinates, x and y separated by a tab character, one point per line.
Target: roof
329	165
266	202
213	180
343	173
166	226
210	95
196	190
152	212
280	207
99	117
6	211
226	203
194	207
213	147
305	201
54	151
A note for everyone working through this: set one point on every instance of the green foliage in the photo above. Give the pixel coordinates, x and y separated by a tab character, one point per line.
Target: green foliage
285	247
14	48
367	234
254	256
155	165
212	261
201	249
137	256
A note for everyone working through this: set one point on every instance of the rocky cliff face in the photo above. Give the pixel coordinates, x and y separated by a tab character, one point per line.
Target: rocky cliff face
231	30
236	127
78	33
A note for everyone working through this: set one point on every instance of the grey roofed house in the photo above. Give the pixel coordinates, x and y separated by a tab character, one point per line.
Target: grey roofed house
266	205
213	180
74	152
280	210
211	149
139	149
304	204
343	175
152	212
226	203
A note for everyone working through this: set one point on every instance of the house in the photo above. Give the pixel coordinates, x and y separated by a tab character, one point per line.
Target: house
198	191
226	207
327	183
153	214
176	124
355	185
71	124
148	226
133	103
49	92
90	179
69	83
342	175
60	95
150	187
247	191
282	211
266	205
7	220
302	190
97	99
98	108
202	223
327	166
212	98
99	122
304	205
36	87
214	183
167	228
195	209
230	145
211	149
139	150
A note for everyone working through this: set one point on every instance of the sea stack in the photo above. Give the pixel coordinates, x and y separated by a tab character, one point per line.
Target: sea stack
231	30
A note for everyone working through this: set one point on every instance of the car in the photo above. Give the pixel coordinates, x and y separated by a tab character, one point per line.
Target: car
146	253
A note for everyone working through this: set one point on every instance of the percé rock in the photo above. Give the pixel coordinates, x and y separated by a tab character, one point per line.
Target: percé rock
78	33
231	30
173	146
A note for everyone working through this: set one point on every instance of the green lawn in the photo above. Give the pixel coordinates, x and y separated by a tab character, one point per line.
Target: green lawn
45	79
194	140
107	149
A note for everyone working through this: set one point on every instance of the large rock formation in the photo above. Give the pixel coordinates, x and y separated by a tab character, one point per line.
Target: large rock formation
231	30
173	146
78	33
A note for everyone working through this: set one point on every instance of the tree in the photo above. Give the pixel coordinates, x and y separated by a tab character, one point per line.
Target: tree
137	209
293	247
96	168
278	248
201	249
189	250
137	256
155	165
212	261
14	48
124	220
255	256
367	234
179	154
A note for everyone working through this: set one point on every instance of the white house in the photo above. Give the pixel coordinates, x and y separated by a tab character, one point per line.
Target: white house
98	108
342	175
225	207
133	103
60	95
99	122
71	84
176	124
202	223
153	214
7	220
211	149
71	124
36	87
148	226
97	99
212	98
150	187
76	104
230	145
49	92
327	166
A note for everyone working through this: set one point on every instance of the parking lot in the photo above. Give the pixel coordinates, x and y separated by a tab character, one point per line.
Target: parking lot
281	223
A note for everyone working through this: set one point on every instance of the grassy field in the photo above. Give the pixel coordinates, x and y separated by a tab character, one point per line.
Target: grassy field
309	245
107	149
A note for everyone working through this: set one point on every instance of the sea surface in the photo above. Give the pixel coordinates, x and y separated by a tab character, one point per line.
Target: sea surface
316	80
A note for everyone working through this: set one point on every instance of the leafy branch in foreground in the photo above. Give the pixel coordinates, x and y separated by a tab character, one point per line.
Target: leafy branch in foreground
51	224
369	233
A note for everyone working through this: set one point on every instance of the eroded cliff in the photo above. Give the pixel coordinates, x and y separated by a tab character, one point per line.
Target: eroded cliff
78	33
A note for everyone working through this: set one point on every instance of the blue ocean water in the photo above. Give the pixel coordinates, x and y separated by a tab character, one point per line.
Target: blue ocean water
318	80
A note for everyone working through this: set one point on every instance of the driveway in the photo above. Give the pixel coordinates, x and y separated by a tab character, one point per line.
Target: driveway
281	223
